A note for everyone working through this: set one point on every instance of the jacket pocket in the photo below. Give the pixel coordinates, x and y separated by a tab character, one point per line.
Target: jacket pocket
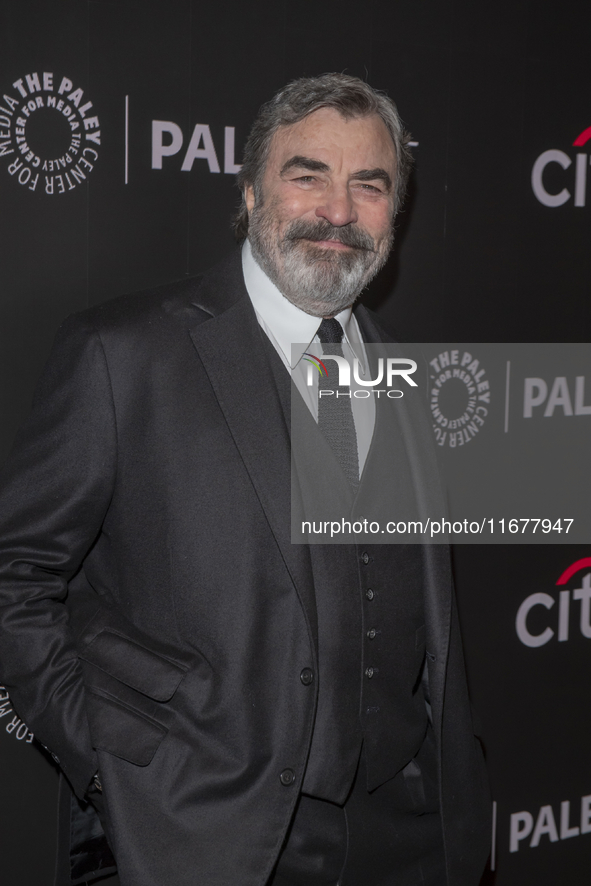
129	662
131	680
121	730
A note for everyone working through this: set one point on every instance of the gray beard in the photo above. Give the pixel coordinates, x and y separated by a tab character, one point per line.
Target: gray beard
318	281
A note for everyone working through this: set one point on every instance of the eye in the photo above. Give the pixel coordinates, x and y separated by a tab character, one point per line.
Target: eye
372	188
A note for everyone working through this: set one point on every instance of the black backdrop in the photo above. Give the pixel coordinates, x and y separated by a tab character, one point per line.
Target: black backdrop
486	89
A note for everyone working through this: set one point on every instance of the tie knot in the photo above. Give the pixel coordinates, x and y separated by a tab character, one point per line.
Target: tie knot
330	332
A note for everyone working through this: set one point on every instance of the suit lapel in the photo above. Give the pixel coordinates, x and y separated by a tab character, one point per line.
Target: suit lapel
232	351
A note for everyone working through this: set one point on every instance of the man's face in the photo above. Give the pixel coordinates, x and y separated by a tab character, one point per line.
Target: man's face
322	226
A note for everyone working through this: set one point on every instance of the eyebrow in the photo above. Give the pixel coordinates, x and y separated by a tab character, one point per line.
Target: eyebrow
365	175
304	163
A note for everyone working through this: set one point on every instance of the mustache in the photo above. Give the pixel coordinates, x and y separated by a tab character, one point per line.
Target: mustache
302	229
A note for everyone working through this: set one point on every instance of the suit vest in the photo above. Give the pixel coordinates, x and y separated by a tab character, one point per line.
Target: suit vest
371	634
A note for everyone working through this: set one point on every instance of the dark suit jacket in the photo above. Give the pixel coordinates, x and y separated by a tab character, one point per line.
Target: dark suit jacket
154	616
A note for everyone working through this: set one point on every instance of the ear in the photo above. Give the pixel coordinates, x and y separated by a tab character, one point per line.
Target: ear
249	197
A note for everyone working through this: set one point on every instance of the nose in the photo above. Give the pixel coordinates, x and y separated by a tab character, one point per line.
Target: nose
337	207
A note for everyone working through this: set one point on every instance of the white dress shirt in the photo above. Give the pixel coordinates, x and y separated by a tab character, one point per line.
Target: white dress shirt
292	332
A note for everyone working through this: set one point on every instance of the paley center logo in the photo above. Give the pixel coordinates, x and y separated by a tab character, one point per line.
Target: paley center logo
48	133
460	397
534	631
578	181
552	821
168	139
535	395
388	369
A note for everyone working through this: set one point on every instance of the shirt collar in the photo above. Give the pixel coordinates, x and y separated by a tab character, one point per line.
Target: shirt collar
288	323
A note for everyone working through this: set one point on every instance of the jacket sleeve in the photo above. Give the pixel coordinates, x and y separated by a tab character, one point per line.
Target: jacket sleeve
54	492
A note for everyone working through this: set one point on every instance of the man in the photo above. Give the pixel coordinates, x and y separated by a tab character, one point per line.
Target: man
209	686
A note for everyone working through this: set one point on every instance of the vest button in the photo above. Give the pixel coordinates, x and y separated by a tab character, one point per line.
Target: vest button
371	633
287	777
307	676
369	594
365	557
369	673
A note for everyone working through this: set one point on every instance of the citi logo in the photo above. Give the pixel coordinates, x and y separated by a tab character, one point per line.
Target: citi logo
578	181
561	622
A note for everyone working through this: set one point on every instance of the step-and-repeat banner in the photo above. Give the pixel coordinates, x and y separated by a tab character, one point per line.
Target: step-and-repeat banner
121	130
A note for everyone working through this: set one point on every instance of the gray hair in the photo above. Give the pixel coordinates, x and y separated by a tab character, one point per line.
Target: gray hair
350	96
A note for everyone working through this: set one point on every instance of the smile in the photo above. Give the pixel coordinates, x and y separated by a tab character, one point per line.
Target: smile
330	244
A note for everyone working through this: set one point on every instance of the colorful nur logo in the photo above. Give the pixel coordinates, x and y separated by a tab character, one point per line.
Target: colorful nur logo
395	366
317	362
